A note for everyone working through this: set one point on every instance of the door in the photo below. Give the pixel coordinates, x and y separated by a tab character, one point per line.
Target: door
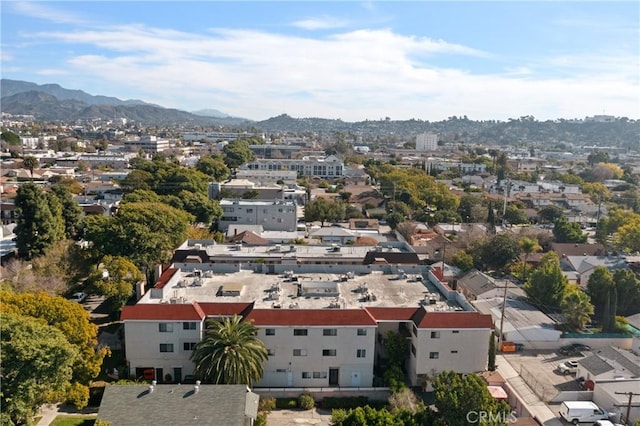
159	375
355	379
334	374
289	378
177	374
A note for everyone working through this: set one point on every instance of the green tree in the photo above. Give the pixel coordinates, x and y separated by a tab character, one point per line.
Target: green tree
456	395
549	214
141	196
237	153
568	232
36	227
492	352
514	215
214	167
10	138
599	286
627	237
137	179
37	362
497	252
628	289
577	308
115	278
547	284
527	246
71	211
30	163
462	260
230	353
204	209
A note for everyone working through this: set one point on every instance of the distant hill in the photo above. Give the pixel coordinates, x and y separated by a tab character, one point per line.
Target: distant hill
210	113
12	87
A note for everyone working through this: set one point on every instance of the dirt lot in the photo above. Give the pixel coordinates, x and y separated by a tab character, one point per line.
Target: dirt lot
539	370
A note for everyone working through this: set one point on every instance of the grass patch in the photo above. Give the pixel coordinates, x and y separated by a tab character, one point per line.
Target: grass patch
73	420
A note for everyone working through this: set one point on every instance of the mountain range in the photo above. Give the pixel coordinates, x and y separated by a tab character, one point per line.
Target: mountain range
51	102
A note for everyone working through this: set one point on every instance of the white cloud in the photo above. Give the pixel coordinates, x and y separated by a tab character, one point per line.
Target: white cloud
321	23
364	74
52	71
40	11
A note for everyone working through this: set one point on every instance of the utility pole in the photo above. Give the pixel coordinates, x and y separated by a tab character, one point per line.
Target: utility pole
504	304
631	395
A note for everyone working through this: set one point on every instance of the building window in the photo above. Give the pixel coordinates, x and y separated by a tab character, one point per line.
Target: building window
270	331
299	352
435	334
166	347
434	355
188	346
300	331
319	374
249	210
330	332
328	352
456	331
361	353
271	352
188	325
306	375
454	352
165	327
414	329
362	332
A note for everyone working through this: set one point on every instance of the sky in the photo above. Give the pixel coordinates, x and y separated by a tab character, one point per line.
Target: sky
346	60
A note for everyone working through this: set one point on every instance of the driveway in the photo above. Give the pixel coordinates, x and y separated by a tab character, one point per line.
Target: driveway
316	417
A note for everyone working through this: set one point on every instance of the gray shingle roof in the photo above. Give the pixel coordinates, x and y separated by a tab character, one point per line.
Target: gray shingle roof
177	405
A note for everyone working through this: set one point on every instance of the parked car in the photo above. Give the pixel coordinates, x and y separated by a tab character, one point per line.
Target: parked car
569	367
574	349
583	411
79	297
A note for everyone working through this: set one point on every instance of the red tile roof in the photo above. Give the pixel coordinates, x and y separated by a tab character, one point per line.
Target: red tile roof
392	314
162	312
211	309
424	319
310	317
165	277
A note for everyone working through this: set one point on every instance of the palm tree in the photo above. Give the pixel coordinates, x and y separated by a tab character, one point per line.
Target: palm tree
577	309
527	246
30	163
230	353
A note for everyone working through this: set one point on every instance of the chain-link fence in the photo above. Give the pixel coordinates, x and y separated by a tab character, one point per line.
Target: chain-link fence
546	393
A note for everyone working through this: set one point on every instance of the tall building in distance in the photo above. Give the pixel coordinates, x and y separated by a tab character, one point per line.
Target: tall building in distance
427	142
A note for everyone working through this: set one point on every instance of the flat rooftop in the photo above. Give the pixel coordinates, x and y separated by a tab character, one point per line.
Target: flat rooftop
305	291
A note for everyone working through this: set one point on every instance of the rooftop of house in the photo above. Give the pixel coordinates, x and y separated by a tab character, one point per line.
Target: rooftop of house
299	291
219	405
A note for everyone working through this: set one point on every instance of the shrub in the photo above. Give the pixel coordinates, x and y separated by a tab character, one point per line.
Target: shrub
348	402
286	403
261	420
306	401
267	405
78	395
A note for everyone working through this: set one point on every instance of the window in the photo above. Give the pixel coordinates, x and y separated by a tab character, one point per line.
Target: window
456	331
415	330
454	352
166	347
299	352
413	350
319	374
300	331
270	331
188	346
435	334
434	355
249	210
165	327
188	325
361	353
362	332
330	332
306	375
328	352
271	352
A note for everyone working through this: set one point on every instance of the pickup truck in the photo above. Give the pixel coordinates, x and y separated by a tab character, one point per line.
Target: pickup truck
569	367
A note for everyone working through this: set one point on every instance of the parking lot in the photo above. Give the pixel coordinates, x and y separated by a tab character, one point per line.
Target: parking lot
540	370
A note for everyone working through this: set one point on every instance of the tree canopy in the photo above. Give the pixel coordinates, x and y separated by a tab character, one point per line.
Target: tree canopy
546	285
115	278
236	153
568	232
213	167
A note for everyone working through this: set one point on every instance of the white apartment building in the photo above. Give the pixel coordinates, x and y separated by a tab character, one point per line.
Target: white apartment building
427	142
148	143
330	167
275	215
268	177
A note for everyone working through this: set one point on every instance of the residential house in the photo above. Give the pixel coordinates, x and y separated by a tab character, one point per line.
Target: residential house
609	363
334	235
329	167
176	404
271	215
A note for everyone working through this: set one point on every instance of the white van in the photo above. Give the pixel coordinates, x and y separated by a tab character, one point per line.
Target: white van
583	411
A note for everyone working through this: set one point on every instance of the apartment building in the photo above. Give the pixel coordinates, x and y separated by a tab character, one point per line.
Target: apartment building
427	142
147	143
276	215
330	167
268	177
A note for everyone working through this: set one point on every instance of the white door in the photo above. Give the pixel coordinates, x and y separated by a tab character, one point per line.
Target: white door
355	378
289	378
